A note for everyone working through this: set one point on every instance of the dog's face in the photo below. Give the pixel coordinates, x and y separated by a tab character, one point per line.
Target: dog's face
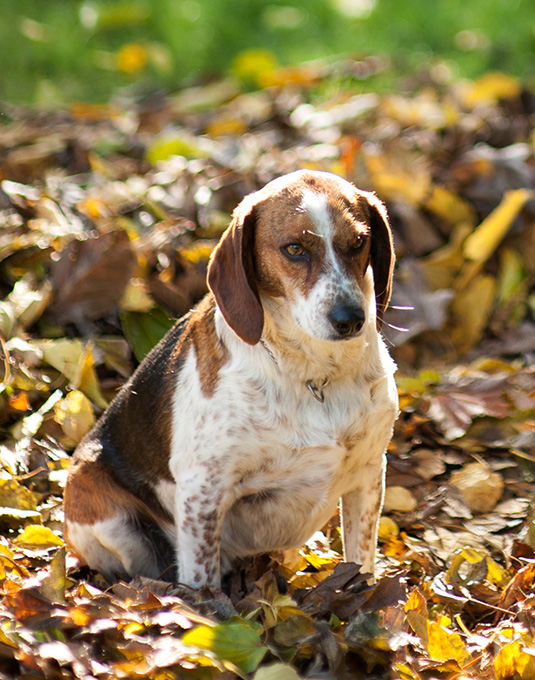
307	239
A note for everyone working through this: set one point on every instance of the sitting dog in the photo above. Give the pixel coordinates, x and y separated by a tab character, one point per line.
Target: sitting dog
261	408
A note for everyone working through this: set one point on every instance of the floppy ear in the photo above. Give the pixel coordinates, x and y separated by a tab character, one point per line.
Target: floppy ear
231	276
382	254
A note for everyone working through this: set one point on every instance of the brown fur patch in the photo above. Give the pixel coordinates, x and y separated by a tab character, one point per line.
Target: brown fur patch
210	352
92	495
200	333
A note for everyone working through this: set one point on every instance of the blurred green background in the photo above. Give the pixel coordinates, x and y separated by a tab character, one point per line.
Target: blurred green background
56	51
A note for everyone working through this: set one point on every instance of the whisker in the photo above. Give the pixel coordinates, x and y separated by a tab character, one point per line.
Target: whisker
403	308
396	328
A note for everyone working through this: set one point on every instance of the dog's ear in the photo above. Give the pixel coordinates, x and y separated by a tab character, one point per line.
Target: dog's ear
382	254
231	276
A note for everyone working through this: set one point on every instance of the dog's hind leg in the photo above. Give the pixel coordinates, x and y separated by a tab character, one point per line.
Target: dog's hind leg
110	529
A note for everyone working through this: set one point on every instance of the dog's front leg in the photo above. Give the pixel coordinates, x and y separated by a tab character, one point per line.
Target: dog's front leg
360	511
201	504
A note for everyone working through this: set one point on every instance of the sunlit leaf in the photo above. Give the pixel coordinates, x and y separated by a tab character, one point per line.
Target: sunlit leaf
75	415
480	486
471	309
235	642
480	245
37	536
387	529
144	330
164	147
490	88
515	661
276	671
252	66
443	645
75	360
226	126
450	206
399	499
56	582
15	495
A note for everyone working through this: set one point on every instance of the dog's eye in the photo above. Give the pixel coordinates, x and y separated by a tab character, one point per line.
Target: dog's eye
357	245
294	250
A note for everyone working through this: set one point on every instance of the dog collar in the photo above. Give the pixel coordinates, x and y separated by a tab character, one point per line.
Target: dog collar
317	392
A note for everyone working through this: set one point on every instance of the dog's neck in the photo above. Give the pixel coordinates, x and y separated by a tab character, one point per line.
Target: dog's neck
309	359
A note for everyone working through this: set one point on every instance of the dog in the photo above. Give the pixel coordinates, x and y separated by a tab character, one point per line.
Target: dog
261	408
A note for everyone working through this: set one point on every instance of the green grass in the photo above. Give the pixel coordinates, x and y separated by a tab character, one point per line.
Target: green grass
65	50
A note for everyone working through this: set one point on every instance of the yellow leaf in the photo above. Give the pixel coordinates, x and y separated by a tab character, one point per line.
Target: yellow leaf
418	623
75	361
75	415
416	602
395	546
133	628
37	536
304	75
135	297
490	88
423	110
398	178
480	245
471	310
15	495
495	573
7	641
56	582
387	529
513	661
87	379
444	645
513	281
450	206
226	125
173	145
254	65
132	58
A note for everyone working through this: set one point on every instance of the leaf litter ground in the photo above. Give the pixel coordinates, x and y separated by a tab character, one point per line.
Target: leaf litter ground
108	215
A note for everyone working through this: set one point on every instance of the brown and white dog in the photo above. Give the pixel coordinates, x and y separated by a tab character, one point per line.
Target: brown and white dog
265	405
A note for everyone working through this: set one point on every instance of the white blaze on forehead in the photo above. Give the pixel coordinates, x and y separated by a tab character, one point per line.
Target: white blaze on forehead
316	207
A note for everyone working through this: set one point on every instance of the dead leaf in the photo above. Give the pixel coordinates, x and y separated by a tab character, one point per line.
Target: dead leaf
90	277
480	487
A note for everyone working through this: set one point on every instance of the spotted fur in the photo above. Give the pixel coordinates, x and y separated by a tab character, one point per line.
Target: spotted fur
216	448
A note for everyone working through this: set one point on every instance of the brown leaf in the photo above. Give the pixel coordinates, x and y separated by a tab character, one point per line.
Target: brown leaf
90	276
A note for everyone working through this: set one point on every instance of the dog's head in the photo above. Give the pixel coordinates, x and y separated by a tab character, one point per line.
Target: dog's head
310	239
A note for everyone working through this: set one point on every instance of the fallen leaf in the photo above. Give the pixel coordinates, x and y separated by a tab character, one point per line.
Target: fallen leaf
399	499
276	671
236	642
37	536
482	243
480	487
443	645
75	415
90	277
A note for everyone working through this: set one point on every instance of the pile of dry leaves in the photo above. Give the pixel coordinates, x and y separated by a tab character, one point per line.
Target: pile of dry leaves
107	217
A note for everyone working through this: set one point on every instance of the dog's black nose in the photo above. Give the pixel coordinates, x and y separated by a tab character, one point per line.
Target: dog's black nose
347	320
